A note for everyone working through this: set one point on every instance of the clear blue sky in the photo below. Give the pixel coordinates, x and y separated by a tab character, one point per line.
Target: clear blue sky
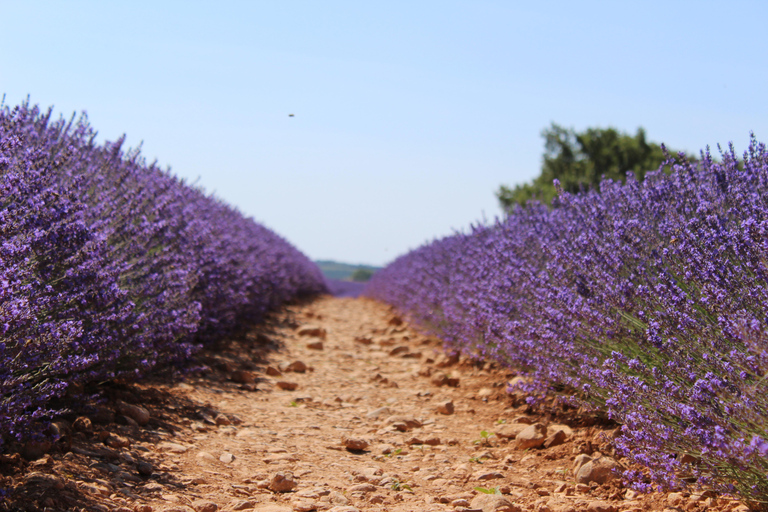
408	114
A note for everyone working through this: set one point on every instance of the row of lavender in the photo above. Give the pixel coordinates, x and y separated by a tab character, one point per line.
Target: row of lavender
648	300
110	267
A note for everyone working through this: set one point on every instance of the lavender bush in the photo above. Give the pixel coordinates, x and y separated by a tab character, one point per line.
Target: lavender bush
647	300
110	267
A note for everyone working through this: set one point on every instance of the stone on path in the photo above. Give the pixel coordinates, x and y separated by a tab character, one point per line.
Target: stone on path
304	506
204	506
363	488
533	436
272	507
243	377
312	330
137	413
509	430
600	471
295	366
493	503
441	379
288	386
600	506
315	345
354	443
445	407
144	468
377	413
555	439
487	475
403	423
579	461
172	447
282	481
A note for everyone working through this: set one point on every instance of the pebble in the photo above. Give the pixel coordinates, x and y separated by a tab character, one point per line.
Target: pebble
675	498
579	461
312	330
227	458
509	430
441	379
83	424
600	506
362	488
315	493
172	447
631	494
279	457
296	366
137	413
402	349
204	506
303	506
243	377
354	443
445	360
377	413
223	419
403	423
532	436
384	448
273	507
487	475
315	345
243	505
337	498
206	456
555	439
600	470
272	371
493	503
145	468
288	386
282	481
445	407
117	442
44	480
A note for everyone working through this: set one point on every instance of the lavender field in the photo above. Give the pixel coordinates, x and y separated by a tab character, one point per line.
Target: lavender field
645	300
112	267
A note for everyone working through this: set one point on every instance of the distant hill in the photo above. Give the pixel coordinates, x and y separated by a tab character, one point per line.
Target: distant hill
341	271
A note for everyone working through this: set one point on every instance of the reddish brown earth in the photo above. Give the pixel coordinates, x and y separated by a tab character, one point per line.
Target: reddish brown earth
366	426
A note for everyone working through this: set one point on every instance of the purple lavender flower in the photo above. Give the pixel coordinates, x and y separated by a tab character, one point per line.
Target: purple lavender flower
110	267
646	300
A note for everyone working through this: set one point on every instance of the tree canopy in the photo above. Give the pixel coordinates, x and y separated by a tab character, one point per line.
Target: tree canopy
582	159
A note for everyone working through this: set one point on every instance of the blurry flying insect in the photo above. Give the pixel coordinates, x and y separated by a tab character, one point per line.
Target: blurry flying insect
290	115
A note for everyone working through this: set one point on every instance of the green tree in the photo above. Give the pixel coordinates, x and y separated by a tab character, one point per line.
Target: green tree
362	275
582	160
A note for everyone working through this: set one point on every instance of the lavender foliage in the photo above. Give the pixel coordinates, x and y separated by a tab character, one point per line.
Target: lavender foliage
647	300
110	267
339	288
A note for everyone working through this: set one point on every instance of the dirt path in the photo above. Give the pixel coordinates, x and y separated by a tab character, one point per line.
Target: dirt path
422	432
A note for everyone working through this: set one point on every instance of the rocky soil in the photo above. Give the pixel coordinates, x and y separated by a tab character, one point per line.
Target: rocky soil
334	405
